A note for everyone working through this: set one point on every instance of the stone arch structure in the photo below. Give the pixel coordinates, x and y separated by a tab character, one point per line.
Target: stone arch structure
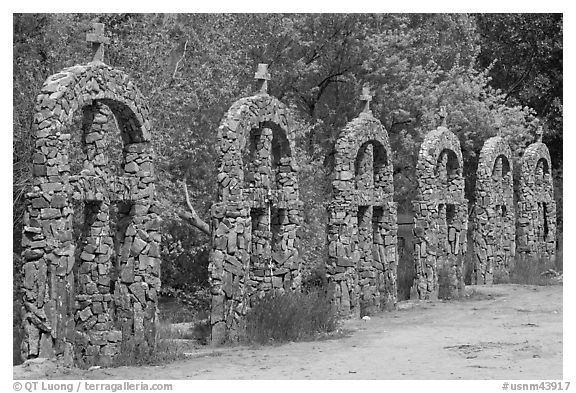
362	228
536	232
72	306
440	217
494	213
254	222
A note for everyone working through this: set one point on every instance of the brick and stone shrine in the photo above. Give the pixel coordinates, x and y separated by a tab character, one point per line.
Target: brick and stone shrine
494	226
536	229
440	217
254	222
90	293
362	228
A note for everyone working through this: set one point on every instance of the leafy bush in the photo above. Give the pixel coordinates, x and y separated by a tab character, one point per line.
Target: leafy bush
290	316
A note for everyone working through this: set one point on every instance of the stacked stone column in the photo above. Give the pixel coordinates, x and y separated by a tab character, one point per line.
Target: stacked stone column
259	204
343	257
494	214
138	283
228	268
536	232
384	255
362	229
440	218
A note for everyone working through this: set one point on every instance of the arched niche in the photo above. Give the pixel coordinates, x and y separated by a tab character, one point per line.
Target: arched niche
371	167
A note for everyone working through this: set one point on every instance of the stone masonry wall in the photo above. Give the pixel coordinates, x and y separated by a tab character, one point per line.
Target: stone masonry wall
536	232
494	214
362	229
440	218
69	307
255	220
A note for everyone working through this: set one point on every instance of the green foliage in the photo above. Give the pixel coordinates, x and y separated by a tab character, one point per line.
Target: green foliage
528	51
281	317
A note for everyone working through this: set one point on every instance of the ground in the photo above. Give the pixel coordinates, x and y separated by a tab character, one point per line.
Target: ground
497	332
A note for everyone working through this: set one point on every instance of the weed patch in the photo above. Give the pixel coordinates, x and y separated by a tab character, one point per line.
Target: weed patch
290	316
532	271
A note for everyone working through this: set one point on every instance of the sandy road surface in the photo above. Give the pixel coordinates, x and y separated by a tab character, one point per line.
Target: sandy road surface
502	332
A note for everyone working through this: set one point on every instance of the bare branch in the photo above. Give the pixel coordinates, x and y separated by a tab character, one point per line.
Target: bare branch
179	60
191	215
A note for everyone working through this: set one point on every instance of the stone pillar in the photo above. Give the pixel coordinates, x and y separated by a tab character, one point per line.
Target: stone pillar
426	250
369	295
494	214
385	257
228	269
440	218
257	196
343	257
48	247
138	283
536	232
451	268
361	266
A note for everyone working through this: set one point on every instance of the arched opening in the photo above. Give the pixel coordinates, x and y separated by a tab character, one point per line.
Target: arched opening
543	226
256	160
501	167
371	167
541	172
364	167
447	168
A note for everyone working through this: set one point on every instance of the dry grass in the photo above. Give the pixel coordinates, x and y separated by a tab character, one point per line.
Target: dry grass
166	351
533	272
290	316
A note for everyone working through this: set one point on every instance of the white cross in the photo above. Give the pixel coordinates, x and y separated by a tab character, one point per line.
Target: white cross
98	39
366	97
263	77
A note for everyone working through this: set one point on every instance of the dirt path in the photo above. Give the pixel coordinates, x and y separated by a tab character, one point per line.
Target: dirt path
501	332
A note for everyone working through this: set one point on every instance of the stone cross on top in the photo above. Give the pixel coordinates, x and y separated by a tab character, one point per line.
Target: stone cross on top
263	77
98	39
498	126
539	133
443	114
366	97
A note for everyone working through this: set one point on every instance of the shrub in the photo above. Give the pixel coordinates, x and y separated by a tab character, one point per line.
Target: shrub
290	316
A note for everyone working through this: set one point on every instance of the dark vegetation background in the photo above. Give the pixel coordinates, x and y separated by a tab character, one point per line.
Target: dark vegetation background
485	68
